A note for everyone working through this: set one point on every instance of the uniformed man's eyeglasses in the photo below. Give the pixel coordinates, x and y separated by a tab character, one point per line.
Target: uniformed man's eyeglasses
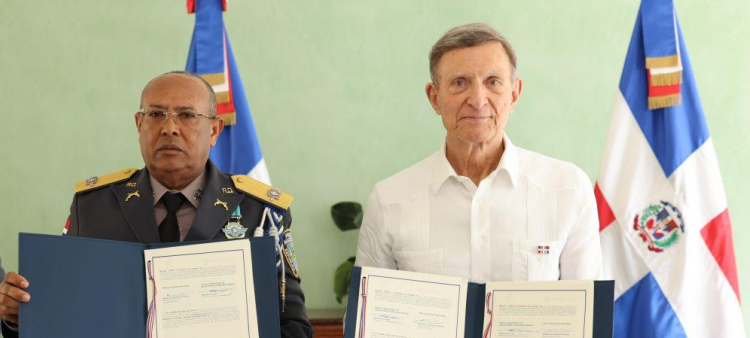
186	118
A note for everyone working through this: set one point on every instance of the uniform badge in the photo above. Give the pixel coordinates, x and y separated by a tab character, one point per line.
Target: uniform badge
659	225
287	246
132	194
233	229
91	181
197	194
221	203
274	194
542	249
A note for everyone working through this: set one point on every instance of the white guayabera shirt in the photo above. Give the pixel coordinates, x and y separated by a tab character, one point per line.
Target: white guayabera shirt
533	218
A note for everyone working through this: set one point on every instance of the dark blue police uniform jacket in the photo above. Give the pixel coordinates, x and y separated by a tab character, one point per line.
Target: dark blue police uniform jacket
103	212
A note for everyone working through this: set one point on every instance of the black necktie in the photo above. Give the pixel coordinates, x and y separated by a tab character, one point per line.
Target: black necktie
169	230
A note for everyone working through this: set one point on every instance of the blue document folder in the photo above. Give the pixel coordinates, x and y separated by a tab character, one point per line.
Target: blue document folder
82	287
604	295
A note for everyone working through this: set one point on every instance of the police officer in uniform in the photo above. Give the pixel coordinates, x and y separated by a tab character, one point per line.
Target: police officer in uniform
179	196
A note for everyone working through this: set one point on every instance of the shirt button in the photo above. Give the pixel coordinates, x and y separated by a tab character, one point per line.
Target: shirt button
480	201
480	241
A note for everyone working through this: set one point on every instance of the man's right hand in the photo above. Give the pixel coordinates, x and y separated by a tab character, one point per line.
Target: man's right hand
10	294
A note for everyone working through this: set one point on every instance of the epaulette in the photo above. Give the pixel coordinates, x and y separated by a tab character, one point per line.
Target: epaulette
262	191
98	181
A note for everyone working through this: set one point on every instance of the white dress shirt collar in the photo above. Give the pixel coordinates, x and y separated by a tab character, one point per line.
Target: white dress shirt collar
442	169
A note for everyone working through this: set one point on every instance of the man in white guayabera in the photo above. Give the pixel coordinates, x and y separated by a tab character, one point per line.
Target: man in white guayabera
481	207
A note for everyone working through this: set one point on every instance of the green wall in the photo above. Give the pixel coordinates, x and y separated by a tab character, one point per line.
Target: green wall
337	93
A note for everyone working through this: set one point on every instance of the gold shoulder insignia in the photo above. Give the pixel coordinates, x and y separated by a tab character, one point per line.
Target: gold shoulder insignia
98	181
261	190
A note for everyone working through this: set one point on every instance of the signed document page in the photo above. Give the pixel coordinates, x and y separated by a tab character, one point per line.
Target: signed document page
201	290
401	304
554	309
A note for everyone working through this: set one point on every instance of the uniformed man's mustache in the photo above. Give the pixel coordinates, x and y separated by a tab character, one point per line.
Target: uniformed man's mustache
169	146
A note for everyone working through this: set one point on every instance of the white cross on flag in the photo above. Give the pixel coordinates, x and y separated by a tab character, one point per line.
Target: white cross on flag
665	231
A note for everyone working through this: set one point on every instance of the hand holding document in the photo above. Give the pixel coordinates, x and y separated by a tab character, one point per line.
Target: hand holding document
203	290
410	305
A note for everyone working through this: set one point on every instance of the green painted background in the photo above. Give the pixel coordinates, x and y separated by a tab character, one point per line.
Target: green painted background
337	93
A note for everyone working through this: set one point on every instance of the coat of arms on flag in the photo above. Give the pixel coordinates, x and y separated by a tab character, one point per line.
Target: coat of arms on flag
659	225
664	224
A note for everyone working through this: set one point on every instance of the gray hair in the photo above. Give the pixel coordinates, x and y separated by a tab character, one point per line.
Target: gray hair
211	94
473	34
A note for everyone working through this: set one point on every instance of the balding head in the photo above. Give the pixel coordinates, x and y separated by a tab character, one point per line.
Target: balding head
211	111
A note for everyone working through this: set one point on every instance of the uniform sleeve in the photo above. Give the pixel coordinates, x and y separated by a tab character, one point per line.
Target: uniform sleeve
374	246
71	225
581	257
7	331
294	322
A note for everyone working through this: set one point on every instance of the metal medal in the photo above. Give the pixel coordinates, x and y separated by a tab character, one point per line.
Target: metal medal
234	229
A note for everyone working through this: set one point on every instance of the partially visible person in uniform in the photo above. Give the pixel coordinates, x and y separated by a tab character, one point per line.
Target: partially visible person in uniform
481	207
179	195
2	272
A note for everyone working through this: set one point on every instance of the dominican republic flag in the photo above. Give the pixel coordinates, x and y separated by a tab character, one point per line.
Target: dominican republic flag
664	224
237	151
